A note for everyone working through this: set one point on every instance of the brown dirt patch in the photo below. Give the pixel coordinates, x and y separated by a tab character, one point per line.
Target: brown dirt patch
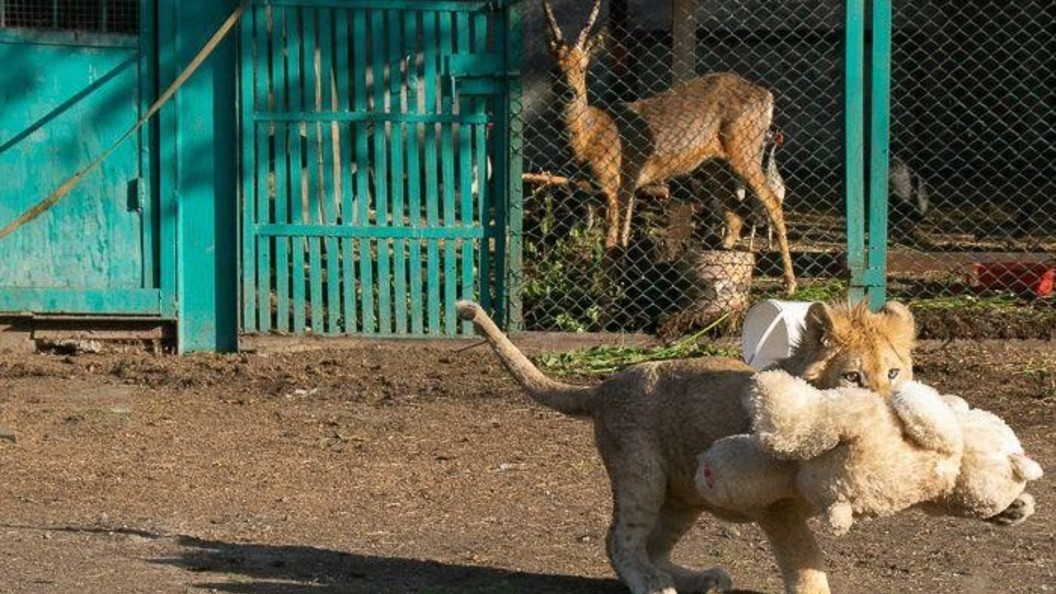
381	468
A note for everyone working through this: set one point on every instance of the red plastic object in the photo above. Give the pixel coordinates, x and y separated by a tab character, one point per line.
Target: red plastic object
1023	277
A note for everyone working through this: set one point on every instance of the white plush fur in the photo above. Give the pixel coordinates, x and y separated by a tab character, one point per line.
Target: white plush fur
850	453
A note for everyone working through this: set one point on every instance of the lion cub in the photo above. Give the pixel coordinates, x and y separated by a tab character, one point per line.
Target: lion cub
653	419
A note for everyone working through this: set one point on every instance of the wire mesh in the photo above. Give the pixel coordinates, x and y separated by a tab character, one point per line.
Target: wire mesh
973	112
693	225
98	16
972	202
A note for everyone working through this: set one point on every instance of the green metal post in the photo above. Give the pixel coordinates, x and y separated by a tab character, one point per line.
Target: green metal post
206	185
854	163
515	168
880	120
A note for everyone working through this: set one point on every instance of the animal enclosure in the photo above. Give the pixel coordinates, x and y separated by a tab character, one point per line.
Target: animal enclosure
971	167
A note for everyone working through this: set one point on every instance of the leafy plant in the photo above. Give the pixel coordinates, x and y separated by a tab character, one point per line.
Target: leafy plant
607	359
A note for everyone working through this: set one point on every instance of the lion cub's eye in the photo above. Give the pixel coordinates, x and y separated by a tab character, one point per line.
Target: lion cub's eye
892	374
853	377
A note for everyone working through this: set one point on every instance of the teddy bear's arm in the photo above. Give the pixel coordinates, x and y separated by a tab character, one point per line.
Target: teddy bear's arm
927	419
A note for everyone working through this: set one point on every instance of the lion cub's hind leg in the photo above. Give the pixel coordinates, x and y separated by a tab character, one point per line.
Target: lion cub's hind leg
672	524
638	489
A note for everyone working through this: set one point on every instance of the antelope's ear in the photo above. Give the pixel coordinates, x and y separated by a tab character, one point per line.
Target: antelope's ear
595	41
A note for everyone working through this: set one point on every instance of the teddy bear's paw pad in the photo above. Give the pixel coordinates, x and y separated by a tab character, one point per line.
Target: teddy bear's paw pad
1020	509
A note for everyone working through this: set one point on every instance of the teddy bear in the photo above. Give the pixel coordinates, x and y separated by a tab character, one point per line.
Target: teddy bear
852	454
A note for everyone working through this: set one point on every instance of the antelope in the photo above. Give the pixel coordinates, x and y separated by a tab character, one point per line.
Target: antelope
715	116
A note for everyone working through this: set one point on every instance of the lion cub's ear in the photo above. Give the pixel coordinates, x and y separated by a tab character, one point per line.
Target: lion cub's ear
818	325
902	319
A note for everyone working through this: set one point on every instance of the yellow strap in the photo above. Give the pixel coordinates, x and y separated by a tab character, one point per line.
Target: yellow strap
42	206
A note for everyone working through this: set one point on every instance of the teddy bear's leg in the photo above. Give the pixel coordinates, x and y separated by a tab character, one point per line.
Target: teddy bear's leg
674	521
1020	509
795	549
639	488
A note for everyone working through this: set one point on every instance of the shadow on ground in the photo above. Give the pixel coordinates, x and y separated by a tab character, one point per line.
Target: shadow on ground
281	569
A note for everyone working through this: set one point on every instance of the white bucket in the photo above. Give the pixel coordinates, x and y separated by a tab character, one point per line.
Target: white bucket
771	328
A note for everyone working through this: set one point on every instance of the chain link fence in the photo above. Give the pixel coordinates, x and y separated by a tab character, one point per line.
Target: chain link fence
96	16
973	112
972	201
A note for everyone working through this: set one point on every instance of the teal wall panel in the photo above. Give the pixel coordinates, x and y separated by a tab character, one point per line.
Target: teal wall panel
63	105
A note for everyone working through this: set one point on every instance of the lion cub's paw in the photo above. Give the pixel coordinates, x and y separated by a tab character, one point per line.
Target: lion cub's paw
711	581
1020	509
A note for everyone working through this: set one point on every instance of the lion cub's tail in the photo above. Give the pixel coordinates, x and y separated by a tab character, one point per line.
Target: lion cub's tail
562	397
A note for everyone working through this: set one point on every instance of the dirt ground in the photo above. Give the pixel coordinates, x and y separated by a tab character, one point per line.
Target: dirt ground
411	467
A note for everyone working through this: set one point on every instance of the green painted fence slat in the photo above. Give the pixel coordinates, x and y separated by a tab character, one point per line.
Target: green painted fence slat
370	116
313	166
396	54
854	165
362	195
432	216
879	139
298	192
480	32
341	76
261	81
414	195
251	54
381	163
447	174
282	188
452	233
331	139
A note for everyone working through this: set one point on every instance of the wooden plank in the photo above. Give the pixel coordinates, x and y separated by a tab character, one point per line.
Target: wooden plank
432	217
464	141
408	5
381	170
344	102
362	184
251	54
279	82
414	195
372	232
330	170
314	165
480	147
298	191
447	173
263	81
358	116
396	86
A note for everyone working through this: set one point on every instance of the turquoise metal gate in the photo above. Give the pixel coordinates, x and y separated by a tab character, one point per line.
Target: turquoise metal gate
75	77
376	183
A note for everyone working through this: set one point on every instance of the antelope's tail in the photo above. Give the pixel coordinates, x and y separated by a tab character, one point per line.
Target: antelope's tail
564	398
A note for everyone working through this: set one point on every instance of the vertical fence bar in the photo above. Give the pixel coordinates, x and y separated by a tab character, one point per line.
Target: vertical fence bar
467	177
399	245
380	163
331	169
250	53
447	174
280	79
414	172
432	215
298	192
363	162
515	168
313	166
263	81
854	161
480	149
879	145
342	76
